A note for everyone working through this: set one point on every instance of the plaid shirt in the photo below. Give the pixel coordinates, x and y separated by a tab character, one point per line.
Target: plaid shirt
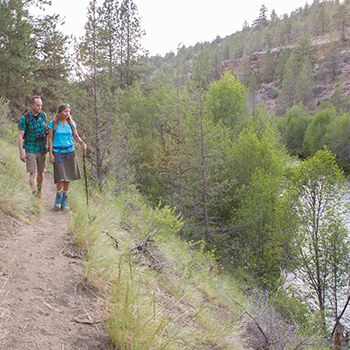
36	127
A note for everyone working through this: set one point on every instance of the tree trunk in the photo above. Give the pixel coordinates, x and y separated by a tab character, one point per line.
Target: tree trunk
204	176
178	186
97	117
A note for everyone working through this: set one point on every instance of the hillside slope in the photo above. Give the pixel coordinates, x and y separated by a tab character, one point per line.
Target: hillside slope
131	284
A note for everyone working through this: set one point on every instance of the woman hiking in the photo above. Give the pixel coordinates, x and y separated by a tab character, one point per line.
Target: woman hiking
62	130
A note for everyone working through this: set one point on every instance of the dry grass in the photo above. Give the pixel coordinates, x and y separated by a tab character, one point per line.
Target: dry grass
164	297
16	199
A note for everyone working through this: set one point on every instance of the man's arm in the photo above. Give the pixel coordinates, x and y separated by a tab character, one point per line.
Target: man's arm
22	153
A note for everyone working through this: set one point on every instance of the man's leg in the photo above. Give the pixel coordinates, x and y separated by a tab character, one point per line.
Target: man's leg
39	182
40	162
33	181
32	170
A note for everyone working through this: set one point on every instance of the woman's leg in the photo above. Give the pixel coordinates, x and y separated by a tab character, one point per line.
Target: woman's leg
65	186
59	195
59	186
65	195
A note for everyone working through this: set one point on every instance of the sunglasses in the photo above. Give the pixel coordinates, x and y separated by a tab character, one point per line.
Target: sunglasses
63	107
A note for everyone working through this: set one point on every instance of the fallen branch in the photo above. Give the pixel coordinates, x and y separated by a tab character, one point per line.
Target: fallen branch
116	244
266	339
91	322
141	246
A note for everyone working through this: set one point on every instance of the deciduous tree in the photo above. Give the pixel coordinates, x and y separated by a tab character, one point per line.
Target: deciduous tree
321	238
225	100
315	135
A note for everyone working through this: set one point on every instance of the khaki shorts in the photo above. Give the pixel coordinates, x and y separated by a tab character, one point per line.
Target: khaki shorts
35	162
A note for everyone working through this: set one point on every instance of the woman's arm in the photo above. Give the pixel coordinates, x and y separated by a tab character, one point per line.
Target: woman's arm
79	139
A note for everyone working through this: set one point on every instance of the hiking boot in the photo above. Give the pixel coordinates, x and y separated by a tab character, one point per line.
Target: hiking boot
64	201
38	192
58	200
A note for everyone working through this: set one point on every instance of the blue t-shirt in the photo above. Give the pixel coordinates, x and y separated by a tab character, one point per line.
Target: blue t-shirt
62	137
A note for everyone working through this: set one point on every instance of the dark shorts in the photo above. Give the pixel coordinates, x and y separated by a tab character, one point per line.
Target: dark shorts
67	170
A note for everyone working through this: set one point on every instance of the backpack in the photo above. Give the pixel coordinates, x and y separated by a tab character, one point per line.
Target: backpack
27	115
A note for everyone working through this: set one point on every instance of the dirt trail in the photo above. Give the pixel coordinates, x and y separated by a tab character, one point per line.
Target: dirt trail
44	303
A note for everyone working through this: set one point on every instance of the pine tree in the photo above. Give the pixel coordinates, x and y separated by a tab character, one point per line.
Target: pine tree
202	81
332	61
89	55
17	52
52	65
268	69
109	42
341	20
340	100
288	94
130	33
304	85
262	20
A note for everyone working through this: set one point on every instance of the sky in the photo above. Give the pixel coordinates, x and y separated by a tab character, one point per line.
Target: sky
172	23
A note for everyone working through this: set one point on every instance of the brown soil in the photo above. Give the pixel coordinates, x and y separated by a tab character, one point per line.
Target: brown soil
44	303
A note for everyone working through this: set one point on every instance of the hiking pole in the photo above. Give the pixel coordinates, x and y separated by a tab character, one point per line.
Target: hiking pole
85	175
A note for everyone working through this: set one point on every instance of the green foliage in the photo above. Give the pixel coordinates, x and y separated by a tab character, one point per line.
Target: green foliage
315	135
225	100
294	131
292	307
338	136
52	64
16	199
288	93
257	165
145	134
17	52
268	73
33	57
4	114
258	146
340	101
316	189
203	68
150	290
305	83
297	77
258	237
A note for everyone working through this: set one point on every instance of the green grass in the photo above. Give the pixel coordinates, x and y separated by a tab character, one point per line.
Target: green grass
166	298
16	199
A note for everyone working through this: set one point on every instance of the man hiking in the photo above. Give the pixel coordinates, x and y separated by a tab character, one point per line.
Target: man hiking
32	143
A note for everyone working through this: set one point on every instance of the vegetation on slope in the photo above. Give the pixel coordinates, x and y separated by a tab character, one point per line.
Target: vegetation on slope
162	292
198	141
